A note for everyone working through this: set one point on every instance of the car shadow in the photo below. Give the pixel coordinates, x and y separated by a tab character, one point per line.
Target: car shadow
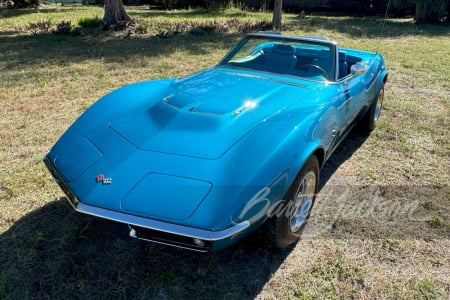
344	151
57	253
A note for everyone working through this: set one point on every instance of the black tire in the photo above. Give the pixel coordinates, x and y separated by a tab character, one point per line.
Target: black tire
369	122
285	229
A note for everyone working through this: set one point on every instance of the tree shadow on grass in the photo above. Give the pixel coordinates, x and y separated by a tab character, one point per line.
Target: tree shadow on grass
54	252
367	27
14	12
21	51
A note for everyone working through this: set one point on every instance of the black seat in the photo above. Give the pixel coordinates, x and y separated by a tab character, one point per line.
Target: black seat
281	58
323	60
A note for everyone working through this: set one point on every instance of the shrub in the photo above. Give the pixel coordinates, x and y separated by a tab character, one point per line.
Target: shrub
166	29
42	26
141	28
90	22
26	3
63	28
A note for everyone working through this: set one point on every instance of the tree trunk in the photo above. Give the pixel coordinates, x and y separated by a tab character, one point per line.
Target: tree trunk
114	13
276	18
430	11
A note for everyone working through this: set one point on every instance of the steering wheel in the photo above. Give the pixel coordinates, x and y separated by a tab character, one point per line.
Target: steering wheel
307	66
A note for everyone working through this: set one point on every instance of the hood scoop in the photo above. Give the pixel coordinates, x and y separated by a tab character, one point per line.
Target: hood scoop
218	94
204	115
207	107
192	106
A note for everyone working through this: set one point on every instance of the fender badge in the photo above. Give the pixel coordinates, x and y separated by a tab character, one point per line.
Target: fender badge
104	180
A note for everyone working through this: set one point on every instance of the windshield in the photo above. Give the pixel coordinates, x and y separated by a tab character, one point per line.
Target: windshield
307	59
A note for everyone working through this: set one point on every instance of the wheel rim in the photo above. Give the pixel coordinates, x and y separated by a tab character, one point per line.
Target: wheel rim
303	201
378	106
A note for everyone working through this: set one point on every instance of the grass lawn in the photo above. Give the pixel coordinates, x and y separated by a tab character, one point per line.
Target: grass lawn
381	225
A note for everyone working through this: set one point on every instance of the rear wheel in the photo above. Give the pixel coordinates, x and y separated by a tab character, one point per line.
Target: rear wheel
369	122
285	228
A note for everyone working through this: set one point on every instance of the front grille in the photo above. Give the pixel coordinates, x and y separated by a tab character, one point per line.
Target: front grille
169	239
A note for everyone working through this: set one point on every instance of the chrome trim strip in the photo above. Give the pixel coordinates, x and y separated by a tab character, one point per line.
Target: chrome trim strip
191	232
336	64
134	235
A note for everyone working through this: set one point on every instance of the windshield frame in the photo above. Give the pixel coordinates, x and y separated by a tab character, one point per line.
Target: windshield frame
278	38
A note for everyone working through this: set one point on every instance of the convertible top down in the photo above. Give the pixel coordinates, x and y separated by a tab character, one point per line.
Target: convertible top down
201	161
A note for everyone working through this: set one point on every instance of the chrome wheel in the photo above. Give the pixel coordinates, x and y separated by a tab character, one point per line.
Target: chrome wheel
379	105
370	119
286	228
303	201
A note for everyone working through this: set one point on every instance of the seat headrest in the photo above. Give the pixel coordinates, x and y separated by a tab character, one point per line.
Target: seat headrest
283	48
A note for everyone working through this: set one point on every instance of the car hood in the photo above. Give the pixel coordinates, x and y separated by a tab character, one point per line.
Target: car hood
205	114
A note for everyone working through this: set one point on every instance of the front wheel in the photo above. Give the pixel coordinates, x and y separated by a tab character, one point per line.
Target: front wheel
288	224
369	122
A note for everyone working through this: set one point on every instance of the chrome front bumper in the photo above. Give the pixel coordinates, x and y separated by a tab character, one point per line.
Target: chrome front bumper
192	238
173	234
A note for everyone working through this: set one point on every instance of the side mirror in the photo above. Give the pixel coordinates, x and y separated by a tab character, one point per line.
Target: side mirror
358	69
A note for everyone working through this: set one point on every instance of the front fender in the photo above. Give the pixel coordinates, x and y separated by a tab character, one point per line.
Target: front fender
113	105
383	72
261	168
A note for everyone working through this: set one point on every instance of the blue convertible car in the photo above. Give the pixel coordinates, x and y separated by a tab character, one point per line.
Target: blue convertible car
199	162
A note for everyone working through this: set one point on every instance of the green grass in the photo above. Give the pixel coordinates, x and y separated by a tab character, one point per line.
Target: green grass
380	228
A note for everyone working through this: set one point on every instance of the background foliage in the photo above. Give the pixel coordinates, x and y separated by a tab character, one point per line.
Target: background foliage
425	11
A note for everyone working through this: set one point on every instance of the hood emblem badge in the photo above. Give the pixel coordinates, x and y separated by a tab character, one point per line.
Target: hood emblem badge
104	180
